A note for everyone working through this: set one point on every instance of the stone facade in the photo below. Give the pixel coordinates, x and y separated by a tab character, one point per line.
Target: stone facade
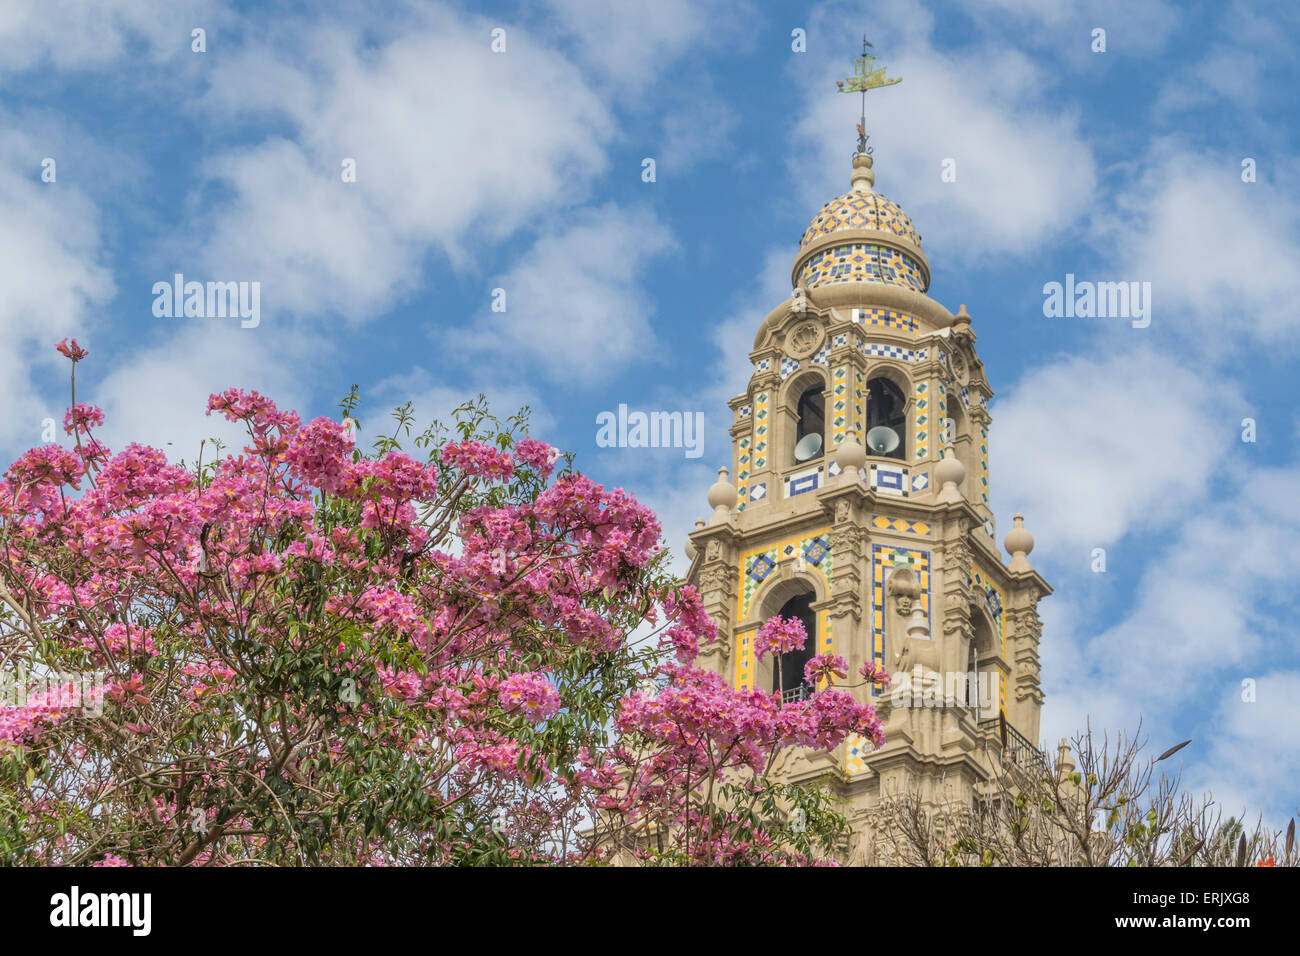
896	550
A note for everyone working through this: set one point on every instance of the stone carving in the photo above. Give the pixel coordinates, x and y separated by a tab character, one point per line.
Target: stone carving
803	340
903	589
960	370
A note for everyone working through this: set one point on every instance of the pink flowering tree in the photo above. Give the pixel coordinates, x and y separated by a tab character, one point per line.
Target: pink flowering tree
696	759
305	654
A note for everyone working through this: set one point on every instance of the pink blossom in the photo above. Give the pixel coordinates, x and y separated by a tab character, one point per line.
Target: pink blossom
530	692
72	351
779	635
874	673
479	460
825	667
537	455
81	418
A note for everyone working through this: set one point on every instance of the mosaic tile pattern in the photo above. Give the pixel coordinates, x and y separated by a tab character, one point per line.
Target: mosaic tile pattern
862	262
885	557
807	480
744	411
920	481
880	350
856	749
839	405
856	210
901	525
984	464
859	404
885	317
891	479
745	661
760	568
788	367
762	365
995	603
756	565
762	424
921	418
742	469
758	492
815	549
823	356
943	406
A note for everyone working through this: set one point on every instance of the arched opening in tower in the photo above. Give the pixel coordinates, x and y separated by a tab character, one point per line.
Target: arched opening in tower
788	676
810	419
887	408
983	695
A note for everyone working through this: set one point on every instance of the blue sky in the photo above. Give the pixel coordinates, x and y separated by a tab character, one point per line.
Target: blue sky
521	170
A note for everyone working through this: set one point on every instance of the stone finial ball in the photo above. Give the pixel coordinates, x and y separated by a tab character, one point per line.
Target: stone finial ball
722	493
949	469
850	455
1018	540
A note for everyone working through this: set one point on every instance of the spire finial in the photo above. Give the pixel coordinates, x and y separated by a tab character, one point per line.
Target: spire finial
866	78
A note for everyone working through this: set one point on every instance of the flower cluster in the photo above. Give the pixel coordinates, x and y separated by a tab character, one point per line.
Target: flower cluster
874	673
531	693
42	710
825	667
478	460
779	635
537	455
72	351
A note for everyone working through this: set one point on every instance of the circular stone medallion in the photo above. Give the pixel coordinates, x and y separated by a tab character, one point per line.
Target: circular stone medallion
803	340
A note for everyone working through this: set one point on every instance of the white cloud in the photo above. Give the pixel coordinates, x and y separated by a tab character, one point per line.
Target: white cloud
1207	612
1065	26
574	308
1096	449
75	35
159	395
1251	766
1024	169
52	278
454	145
1220	253
632	43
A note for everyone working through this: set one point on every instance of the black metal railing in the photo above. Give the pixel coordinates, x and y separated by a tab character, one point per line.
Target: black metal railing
802	692
1016	747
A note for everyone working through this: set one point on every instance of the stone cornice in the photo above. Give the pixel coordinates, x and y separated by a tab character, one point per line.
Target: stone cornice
861	295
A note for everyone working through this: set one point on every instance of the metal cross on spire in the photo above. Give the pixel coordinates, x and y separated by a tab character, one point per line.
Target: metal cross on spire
866	78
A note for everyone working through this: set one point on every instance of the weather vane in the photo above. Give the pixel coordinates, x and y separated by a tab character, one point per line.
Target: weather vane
865	79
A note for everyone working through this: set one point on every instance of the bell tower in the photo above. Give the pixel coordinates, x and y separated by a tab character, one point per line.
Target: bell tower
857	499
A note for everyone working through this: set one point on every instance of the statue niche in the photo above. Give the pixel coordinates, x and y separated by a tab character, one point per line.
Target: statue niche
916	657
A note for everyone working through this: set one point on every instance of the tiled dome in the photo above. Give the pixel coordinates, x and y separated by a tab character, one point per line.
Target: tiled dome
861	210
